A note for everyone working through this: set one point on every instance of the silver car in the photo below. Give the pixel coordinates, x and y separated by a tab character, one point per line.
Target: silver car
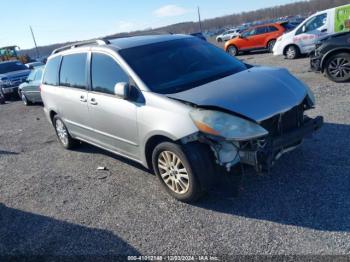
176	104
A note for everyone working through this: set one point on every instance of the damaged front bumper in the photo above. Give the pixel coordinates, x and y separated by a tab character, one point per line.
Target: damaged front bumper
260	153
264	157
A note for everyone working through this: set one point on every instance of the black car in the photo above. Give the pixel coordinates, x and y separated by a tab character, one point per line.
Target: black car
332	57
12	74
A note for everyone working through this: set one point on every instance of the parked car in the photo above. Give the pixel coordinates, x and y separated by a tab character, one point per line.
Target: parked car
12	74
32	65
227	35
332	57
29	91
255	38
303	38
176	104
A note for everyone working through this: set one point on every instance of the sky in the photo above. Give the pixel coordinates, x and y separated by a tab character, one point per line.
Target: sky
58	21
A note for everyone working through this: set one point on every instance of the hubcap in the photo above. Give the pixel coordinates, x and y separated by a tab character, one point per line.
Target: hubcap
291	52
61	132
339	68
173	172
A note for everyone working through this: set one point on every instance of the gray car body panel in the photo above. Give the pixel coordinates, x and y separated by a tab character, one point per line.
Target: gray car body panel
257	93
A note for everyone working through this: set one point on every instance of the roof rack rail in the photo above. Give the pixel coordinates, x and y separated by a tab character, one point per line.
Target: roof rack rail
82	43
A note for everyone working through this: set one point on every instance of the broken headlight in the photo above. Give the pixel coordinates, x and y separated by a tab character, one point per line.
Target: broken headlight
225	125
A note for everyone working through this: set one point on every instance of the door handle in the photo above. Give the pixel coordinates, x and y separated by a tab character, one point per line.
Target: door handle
83	99
324	30
93	101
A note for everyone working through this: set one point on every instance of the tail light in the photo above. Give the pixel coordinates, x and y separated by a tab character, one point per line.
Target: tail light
40	88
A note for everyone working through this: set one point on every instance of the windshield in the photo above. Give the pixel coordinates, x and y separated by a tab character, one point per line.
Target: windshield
11	67
178	65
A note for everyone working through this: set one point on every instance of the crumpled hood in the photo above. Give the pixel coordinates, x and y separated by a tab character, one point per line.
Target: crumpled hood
257	93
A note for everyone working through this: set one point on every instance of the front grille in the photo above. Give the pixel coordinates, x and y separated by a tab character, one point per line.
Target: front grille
285	122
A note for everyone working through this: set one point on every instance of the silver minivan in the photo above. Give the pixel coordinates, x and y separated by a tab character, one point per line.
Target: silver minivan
176	104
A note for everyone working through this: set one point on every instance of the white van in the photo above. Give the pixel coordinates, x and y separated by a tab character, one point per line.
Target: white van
303	38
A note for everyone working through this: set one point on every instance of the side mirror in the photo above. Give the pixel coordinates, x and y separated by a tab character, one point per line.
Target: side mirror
121	90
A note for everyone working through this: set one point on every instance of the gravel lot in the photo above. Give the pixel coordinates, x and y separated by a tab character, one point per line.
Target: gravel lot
53	201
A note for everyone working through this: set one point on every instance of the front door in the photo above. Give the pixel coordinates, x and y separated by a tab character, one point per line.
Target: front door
114	119
32	89
308	34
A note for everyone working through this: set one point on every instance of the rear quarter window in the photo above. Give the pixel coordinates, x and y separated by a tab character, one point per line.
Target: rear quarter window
51	71
73	71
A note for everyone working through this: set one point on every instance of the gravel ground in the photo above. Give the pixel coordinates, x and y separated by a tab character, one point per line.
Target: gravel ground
53	201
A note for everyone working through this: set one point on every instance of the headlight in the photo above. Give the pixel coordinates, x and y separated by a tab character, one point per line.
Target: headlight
228	126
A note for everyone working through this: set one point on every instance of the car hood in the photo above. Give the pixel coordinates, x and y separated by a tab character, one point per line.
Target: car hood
15	74
257	93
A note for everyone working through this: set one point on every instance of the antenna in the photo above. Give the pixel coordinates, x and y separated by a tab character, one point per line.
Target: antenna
199	19
36	47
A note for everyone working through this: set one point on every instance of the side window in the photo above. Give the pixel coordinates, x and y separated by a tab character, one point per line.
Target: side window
73	71
313	24
105	73
248	33
38	75
261	30
272	29
51	71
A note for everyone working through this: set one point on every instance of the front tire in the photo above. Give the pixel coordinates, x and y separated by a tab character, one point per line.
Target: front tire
232	50
219	40
337	67
292	52
180	170
62	133
25	100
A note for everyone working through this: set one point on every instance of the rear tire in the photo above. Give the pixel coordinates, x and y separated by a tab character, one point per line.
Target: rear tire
292	52
232	50
181	169
62	133
337	67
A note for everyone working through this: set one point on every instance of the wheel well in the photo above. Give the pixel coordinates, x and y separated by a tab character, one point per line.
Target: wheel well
52	115
267	44
151	144
285	49
335	52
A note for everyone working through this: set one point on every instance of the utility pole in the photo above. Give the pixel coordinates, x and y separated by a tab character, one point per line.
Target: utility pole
199	19
36	47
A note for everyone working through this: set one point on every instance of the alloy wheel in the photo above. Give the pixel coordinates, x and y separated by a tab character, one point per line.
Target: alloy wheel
339	68
291	52
232	50
61	132
173	172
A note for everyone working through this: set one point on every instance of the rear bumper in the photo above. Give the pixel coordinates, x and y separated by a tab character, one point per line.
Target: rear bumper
263	159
